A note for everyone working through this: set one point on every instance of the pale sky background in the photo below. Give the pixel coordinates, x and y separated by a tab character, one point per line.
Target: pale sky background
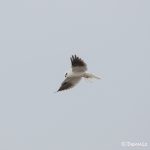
37	38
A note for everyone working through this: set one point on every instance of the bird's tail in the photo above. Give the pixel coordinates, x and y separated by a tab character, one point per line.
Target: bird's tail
94	76
89	75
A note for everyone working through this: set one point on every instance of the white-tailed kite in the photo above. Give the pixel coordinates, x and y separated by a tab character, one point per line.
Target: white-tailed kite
79	69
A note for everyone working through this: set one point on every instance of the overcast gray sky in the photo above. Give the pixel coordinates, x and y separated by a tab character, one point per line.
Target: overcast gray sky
37	38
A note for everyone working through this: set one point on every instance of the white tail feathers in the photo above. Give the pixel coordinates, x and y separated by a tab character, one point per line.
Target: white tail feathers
89	75
96	77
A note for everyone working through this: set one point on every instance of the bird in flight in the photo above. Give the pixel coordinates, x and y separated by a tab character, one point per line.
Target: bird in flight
78	72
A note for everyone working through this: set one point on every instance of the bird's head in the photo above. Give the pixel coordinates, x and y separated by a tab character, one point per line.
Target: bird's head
66	74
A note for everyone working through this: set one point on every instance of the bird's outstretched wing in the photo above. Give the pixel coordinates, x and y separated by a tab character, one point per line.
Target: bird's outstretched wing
78	65
68	83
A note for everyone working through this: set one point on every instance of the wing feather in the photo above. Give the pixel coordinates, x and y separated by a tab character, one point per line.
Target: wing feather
68	83
78	65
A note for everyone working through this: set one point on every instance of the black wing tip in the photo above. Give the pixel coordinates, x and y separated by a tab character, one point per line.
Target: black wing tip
77	61
60	89
73	57
65	86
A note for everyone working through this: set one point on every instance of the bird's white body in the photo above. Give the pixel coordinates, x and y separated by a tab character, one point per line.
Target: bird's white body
82	74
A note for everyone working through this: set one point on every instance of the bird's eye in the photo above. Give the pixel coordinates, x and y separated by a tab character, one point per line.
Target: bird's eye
66	75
